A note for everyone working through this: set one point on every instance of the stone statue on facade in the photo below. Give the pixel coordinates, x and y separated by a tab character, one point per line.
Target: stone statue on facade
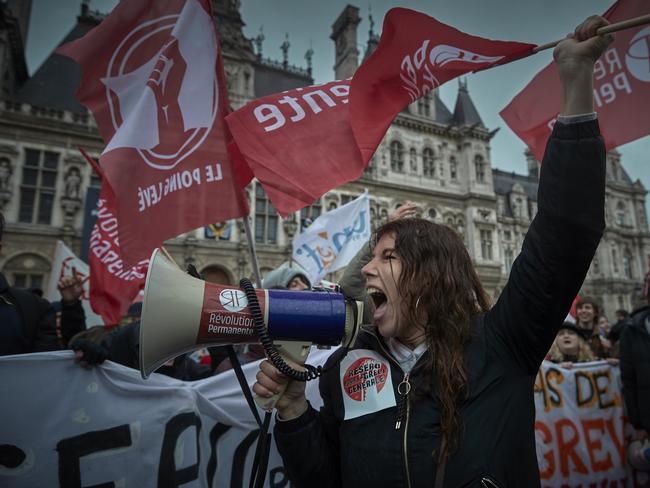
73	184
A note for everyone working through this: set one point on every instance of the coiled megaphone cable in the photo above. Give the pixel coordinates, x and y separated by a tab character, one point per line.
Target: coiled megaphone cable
311	373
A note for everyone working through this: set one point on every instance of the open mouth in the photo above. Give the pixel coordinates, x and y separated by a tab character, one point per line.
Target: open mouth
378	297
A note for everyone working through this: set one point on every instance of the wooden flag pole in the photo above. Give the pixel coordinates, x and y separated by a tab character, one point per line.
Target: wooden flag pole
253	251
625	24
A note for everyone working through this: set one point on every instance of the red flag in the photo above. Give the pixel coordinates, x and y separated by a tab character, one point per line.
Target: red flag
113	286
621	89
298	143
153	78
416	54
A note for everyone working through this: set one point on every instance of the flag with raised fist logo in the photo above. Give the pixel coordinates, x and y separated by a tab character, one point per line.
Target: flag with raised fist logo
621	89
153	78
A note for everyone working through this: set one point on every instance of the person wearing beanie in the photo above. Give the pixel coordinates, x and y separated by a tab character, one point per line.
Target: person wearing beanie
287	277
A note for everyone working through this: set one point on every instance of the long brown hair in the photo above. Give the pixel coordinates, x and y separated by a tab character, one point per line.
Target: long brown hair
442	293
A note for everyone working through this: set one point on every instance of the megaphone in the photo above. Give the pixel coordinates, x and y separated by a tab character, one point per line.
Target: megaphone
181	313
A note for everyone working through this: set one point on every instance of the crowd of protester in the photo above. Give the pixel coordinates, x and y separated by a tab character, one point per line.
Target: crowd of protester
29	323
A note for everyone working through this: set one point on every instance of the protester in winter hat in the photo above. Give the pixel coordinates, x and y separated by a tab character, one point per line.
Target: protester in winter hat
288	277
465	410
569	347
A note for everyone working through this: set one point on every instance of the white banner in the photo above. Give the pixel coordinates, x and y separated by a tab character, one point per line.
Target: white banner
65	426
580	427
64	263
334	238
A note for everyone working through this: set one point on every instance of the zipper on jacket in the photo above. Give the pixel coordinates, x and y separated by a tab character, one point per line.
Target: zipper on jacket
403	389
488	482
406	428
403	405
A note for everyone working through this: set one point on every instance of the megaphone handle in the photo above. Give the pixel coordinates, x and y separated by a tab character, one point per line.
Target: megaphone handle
296	352
268	403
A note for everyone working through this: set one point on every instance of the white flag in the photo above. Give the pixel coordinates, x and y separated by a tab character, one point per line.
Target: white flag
64	262
333	239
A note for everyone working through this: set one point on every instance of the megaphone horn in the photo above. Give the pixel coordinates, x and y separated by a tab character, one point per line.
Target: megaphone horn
181	313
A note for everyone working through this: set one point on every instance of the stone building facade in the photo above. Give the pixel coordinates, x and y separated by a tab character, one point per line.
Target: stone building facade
431	155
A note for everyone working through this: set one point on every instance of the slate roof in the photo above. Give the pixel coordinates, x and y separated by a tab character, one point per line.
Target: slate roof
505	180
465	112
55	82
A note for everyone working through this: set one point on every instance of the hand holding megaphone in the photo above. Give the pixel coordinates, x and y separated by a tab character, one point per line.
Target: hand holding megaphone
276	390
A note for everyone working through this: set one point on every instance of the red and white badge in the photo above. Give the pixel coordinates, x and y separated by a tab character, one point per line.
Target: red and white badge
366	383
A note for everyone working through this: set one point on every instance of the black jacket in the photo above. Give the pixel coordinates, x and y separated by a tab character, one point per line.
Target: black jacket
635	369
497	444
38	319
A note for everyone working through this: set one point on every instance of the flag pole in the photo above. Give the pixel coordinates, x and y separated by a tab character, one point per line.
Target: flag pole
625	24
251	248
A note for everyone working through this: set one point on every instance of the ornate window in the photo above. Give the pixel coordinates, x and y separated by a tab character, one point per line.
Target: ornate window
453	169
479	166
266	218
509	259
424	106
309	214
38	186
615	260
486	244
397	156
27	270
428	163
627	264
621	214
432	214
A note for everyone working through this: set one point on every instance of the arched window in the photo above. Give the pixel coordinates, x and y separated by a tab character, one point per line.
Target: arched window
397	157
424	106
521	212
453	168
217	275
621	214
27	270
479	166
266	218
627	265
509	258
432	214
428	163
460	226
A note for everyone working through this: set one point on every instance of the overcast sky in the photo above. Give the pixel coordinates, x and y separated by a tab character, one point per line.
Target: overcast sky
308	23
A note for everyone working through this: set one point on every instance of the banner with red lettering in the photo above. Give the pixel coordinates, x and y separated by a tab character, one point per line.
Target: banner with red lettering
580	427
621	89
153	78
416	54
298	143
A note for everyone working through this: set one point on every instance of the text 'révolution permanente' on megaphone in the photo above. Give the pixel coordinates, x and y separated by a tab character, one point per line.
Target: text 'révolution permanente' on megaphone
181	313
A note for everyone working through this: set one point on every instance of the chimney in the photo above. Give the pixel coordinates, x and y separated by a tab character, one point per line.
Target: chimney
534	166
344	35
